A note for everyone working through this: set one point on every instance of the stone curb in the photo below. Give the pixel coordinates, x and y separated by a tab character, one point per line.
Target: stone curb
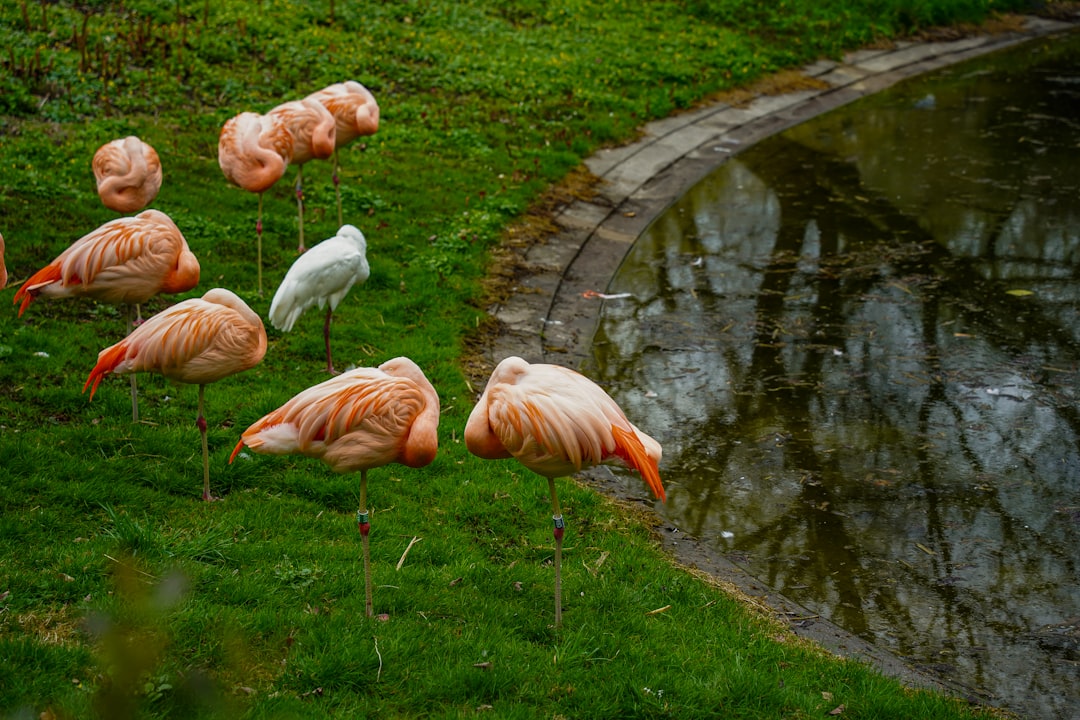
547	319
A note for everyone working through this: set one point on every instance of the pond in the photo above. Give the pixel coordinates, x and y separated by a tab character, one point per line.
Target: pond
859	343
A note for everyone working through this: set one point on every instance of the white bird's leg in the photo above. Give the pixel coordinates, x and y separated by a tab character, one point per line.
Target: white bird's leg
337	187
557	518
364	523
201	423
133	310
326	337
300	204
258	242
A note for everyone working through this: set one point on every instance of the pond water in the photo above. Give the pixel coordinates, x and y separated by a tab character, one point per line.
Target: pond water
859	343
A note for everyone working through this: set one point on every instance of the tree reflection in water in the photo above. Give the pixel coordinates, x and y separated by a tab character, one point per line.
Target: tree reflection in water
859	342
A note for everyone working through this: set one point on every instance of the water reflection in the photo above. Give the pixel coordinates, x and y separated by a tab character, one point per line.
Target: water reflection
859	343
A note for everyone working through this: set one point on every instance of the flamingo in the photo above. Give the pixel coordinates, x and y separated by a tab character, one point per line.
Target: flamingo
253	152
126	261
355	112
3	268
198	341
128	174
556	421
314	132
359	420
322	275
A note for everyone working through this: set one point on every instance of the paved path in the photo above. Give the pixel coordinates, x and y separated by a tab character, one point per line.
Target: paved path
548	320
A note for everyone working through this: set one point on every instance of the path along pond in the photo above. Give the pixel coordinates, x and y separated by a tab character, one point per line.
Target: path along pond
859	343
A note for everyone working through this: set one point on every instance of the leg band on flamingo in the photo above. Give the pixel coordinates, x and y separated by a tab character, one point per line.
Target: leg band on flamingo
363	523
560	525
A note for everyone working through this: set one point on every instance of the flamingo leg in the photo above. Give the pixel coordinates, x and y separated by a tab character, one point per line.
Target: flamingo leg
557	519
326	337
258	242
201	423
364	523
133	310
337	187
300	205
134	399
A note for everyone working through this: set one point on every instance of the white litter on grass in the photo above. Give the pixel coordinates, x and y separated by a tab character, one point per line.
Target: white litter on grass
41	353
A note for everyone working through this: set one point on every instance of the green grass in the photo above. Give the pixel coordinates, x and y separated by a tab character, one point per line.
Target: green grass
123	595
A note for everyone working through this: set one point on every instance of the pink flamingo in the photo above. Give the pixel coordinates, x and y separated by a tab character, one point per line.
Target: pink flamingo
555	422
128	174
359	420
253	152
199	341
314	131
355	112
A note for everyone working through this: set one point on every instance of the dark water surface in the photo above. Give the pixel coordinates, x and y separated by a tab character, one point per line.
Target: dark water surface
859	343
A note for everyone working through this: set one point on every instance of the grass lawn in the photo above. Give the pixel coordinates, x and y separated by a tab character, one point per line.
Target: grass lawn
123	594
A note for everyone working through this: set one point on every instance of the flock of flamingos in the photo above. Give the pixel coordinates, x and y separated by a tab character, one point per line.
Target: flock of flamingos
550	418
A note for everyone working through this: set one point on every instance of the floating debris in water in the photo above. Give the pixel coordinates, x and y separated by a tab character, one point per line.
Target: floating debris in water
605	296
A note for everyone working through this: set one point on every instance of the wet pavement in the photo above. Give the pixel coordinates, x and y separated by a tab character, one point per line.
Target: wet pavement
550	319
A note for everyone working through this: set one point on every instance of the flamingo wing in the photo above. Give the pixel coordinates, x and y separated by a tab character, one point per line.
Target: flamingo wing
556	421
548	431
358	420
127	260
196	341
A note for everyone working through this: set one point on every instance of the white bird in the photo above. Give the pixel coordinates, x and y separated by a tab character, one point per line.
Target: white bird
323	275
